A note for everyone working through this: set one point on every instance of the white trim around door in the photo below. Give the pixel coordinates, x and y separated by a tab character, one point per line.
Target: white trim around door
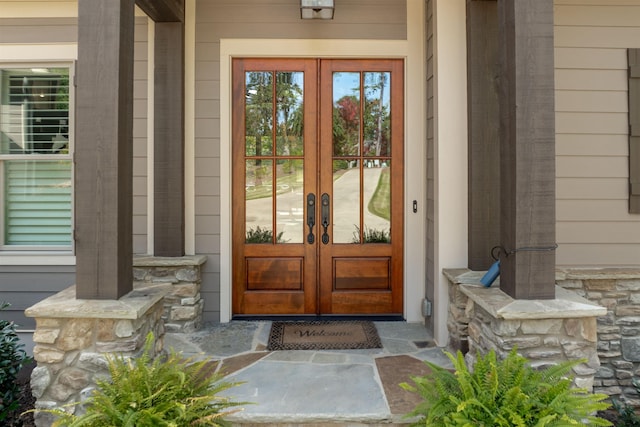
413	51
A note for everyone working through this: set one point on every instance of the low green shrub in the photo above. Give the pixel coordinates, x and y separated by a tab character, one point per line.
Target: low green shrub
262	235
371	235
168	391
12	358
626	415
503	393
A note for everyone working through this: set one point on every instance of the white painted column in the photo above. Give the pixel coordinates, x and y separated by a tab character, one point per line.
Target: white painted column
415	163
450	151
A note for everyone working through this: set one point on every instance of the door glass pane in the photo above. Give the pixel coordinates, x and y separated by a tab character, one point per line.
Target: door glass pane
259	201
377	201
259	113
346	200
290	201
346	114
289	100
377	114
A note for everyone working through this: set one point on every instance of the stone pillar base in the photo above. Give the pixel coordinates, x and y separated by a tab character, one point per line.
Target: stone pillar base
183	304
544	331
72	337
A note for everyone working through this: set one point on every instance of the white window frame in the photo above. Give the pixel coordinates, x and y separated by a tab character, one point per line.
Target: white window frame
41	255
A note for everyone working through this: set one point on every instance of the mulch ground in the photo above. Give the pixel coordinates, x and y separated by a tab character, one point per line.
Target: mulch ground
26	400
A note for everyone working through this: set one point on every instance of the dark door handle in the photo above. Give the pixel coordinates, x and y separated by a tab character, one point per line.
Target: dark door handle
311	216
325	217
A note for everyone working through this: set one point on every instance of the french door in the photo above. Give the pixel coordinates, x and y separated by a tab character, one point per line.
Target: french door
317	221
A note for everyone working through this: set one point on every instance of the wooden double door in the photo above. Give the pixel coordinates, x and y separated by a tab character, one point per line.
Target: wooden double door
317	221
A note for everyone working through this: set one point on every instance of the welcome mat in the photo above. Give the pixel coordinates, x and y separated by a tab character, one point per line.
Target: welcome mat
323	335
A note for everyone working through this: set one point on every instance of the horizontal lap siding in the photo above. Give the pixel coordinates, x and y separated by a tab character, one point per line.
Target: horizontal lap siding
23	286
430	211
217	19
593	224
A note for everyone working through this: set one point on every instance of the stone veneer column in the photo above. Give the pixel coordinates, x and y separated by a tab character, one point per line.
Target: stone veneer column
544	331
73	336
183	303
618	290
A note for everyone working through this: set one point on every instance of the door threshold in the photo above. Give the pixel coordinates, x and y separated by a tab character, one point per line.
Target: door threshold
328	317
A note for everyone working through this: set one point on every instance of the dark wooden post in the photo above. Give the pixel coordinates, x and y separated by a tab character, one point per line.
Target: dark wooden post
168	164
103	151
169	139
483	69
527	142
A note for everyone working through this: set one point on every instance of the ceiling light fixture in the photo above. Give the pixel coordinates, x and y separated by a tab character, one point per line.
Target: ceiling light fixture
316	9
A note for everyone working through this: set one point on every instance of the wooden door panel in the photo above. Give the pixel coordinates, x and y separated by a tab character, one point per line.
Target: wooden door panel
362	302
274	303
361	274
278	275
318	273
358	276
274	274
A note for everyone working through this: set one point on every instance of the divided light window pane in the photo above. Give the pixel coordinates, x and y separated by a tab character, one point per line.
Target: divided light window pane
35	162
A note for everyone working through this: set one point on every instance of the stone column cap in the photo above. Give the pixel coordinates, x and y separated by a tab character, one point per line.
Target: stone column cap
565	305
156	261
133	305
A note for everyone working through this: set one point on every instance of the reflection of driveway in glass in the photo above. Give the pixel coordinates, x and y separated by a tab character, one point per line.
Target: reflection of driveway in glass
345	212
290	209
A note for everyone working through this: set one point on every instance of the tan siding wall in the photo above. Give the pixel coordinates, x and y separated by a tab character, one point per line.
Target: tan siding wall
430	165
216	19
24	286
64	30
593	224
140	138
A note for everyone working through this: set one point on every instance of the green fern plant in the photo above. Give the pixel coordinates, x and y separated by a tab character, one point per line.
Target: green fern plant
164	392
503	393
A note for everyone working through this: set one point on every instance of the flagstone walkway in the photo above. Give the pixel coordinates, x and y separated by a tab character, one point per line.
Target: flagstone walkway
313	388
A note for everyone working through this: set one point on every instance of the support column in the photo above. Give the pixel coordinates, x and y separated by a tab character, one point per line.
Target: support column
169	140
527	146
103	152
483	69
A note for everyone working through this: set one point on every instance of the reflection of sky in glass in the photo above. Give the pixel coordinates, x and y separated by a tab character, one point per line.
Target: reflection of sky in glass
372	83
345	84
348	84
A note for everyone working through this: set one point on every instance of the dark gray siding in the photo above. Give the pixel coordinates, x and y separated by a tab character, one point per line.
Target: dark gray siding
22	286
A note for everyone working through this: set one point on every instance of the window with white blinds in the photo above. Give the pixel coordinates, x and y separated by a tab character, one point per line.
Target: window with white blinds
35	161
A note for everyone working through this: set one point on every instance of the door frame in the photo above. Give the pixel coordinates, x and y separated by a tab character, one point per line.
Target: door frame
412	51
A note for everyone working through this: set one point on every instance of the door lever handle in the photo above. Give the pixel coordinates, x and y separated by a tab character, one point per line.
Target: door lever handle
325	217
311	216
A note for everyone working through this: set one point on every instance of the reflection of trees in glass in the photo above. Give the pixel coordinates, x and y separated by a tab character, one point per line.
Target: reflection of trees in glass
62	92
376	119
289	95
259	114
346	126
376	115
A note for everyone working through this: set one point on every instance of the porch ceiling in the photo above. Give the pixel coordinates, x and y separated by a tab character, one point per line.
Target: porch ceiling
163	10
